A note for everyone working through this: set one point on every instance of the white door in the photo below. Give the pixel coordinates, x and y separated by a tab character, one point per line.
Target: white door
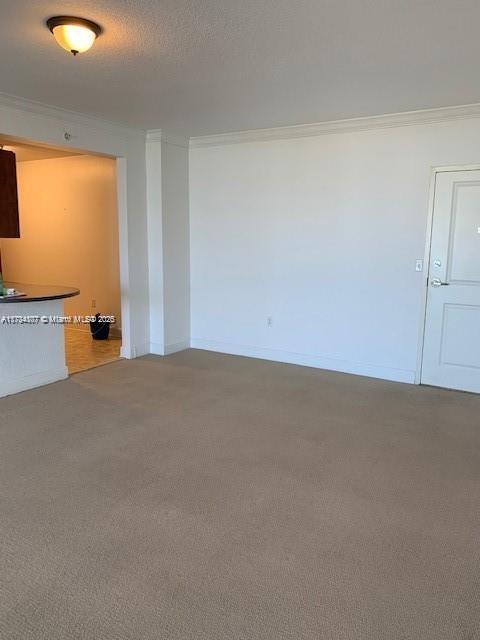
451	353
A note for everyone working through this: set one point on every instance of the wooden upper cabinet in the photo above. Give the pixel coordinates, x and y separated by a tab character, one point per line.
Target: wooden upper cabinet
9	219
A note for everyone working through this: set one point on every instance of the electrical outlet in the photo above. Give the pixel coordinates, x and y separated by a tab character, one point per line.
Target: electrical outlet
94	304
419	265
269	321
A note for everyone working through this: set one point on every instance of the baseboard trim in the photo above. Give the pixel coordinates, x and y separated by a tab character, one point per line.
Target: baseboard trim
8	388
125	353
140	350
129	353
307	360
157	349
166	349
177	346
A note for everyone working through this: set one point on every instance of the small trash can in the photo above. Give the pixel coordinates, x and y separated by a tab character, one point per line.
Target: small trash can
99	329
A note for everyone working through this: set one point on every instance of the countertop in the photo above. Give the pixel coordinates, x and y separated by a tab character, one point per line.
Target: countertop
38	292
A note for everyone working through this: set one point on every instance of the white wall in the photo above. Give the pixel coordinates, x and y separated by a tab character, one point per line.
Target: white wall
69	231
176	247
153	155
320	233
168	243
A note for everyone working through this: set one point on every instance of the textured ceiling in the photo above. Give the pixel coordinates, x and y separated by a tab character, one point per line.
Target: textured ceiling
208	66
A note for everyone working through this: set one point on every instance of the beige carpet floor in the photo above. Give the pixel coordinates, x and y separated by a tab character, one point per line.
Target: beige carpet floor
209	497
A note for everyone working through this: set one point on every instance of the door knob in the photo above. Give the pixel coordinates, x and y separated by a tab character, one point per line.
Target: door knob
436	282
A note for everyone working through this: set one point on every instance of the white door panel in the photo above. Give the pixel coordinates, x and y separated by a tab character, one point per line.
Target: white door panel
451	356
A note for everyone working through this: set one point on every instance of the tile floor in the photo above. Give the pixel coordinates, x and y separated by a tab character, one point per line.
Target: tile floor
85	353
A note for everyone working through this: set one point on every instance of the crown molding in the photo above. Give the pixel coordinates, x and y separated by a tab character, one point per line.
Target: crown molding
391	120
69	116
154	135
159	135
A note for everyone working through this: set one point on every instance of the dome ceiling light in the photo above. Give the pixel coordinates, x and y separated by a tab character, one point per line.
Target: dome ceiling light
74	34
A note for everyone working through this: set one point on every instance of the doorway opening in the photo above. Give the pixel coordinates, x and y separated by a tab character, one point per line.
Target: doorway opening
69	236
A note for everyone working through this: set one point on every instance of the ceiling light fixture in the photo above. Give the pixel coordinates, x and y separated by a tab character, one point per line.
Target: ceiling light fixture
74	34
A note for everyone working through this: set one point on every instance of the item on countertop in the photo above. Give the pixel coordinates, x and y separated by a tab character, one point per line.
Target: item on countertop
11	293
